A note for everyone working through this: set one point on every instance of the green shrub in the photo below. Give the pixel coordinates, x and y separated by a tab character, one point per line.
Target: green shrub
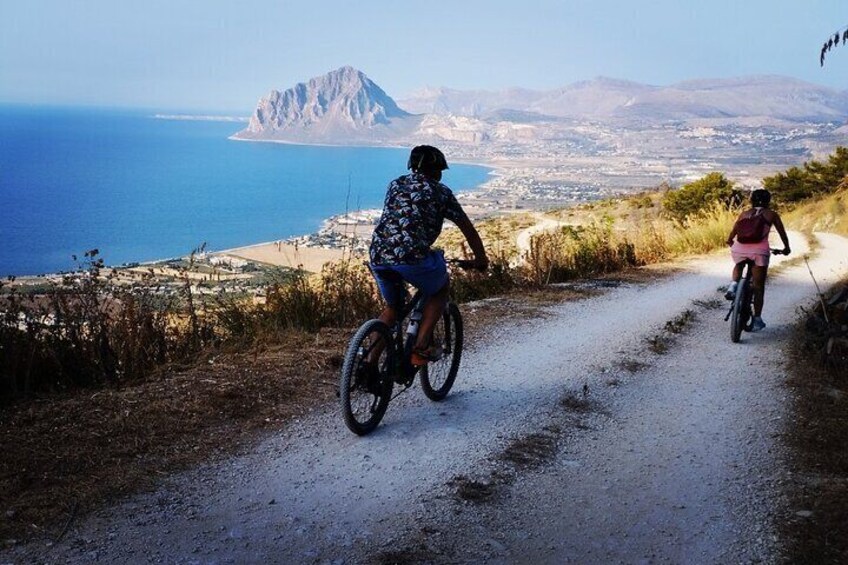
814	179
640	201
695	197
789	187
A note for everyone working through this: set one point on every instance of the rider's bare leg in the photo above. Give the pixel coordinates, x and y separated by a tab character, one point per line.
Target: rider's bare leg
737	272
387	316
758	284
434	308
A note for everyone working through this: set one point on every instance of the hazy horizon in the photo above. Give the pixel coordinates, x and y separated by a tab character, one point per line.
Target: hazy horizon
219	57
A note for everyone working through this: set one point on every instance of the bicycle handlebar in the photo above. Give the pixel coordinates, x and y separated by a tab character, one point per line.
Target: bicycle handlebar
779	252
463	263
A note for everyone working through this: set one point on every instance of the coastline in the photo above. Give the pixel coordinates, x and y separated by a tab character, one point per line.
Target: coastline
340	235
511	185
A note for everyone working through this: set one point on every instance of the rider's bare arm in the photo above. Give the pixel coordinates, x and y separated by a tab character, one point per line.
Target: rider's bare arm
781	231
733	231
473	238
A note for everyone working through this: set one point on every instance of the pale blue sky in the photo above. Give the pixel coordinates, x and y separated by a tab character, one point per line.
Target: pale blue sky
210	55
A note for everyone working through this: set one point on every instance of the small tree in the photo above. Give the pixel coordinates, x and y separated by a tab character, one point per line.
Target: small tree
788	187
698	196
816	177
826	176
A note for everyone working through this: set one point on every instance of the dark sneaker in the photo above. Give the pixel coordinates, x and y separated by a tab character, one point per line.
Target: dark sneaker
758	324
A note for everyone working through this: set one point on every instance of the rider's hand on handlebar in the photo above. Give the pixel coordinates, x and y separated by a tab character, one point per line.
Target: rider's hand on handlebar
478	263
784	251
481	263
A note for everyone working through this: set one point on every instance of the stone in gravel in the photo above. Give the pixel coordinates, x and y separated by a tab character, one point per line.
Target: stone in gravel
804	513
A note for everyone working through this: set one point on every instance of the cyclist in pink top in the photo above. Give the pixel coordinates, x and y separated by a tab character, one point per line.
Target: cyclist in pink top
749	239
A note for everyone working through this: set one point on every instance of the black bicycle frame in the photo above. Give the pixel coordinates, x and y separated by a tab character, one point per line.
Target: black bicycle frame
404	309
744	279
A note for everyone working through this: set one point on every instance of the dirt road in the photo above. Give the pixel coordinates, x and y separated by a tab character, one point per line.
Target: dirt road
597	433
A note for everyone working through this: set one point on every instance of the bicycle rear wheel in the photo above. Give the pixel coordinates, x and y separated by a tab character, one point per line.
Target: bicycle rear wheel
741	304
365	390
437	377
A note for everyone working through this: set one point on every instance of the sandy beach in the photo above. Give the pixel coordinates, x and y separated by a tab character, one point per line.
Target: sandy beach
281	254
349	234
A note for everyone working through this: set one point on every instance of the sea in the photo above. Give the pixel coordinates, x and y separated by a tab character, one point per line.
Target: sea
139	188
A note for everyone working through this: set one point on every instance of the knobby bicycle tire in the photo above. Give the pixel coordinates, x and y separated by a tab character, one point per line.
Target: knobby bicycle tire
737	322
361	413
437	377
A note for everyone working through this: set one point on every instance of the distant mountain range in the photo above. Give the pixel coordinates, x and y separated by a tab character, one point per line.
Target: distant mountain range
609	99
346	106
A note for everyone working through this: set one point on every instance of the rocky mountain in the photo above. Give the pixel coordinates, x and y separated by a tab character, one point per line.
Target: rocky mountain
341	106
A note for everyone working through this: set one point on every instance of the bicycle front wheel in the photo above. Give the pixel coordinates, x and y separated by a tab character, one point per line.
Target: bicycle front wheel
438	376
366	388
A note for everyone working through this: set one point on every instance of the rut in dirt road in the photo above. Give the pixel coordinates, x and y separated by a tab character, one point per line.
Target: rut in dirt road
571	457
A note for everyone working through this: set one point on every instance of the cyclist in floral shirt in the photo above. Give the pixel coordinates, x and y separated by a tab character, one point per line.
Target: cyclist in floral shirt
416	206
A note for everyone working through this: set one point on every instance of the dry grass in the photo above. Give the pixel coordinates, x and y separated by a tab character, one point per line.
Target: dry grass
818	436
826	213
662	342
531	450
472	490
681	322
76	451
498	233
632	365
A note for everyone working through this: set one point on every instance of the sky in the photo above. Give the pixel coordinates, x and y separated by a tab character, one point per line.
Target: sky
222	56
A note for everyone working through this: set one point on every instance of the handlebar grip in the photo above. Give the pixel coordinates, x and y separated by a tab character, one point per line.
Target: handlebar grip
463	263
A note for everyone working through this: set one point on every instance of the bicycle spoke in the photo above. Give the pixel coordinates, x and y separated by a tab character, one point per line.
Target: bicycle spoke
365	389
438	375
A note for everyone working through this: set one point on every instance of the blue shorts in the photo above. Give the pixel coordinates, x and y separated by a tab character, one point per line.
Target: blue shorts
429	276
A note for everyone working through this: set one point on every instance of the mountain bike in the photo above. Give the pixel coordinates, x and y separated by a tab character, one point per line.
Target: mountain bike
741	314
378	358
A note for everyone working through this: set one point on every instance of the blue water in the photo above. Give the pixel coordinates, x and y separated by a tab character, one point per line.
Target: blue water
141	189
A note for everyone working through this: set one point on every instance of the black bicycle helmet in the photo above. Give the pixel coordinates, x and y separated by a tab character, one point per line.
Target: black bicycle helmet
760	197
426	158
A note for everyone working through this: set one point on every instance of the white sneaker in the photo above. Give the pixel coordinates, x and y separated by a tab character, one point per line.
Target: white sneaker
758	324
731	291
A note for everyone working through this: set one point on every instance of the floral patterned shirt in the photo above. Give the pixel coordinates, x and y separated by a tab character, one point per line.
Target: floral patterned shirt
413	213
